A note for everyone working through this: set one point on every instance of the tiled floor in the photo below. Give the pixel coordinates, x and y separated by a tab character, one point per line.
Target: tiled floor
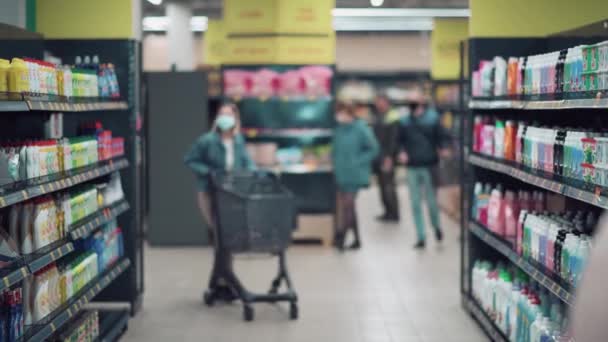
384	292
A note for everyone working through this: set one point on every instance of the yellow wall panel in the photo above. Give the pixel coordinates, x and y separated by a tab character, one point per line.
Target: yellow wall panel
529	18
280	50
85	18
214	43
278	16
445	46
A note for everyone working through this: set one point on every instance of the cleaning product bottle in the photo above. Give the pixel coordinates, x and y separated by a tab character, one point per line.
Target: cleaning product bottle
18	77
4	71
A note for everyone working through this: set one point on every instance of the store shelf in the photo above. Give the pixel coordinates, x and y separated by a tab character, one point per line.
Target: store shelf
536	178
539	105
288	133
13	277
538	275
486	323
88	225
112	325
47	327
13	106
40	259
60	181
24	103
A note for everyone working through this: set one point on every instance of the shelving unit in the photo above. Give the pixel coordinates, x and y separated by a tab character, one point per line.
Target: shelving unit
295	122
541	276
22	117
62	316
480	242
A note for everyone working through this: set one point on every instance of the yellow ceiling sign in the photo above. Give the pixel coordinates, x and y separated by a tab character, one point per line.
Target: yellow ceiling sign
445	46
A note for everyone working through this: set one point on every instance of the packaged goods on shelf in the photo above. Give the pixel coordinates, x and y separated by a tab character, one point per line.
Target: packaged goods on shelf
308	81
108	146
560	243
107	243
575	154
12	323
84	329
522	310
577	69
32	225
55	284
88	79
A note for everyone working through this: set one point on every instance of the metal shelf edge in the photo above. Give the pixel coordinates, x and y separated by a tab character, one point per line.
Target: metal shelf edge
63	183
539	105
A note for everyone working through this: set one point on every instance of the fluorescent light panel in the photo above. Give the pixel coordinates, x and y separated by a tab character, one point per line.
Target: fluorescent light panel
402	12
161	24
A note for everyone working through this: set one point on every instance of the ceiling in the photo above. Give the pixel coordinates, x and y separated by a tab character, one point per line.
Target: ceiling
213	8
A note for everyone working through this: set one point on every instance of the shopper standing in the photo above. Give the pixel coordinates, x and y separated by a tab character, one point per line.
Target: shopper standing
354	148
422	140
386	128
220	149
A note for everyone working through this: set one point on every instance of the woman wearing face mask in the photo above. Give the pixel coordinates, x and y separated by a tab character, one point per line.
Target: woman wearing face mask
354	148
220	149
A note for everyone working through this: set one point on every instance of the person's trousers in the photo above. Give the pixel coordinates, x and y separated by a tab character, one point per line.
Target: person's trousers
420	184
388	193
347	214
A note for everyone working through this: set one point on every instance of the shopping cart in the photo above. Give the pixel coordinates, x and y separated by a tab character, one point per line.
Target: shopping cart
254	214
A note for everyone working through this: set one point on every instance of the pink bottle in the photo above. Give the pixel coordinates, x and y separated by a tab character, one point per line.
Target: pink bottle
511	216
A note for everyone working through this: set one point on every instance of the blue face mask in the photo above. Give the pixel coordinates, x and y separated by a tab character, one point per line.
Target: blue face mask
225	122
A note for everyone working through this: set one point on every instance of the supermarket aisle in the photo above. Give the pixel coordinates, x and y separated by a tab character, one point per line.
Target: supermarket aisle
385	292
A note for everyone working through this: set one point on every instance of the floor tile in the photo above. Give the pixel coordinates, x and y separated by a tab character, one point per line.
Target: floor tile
384	292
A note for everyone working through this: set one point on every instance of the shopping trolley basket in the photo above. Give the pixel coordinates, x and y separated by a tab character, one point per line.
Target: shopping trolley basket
255	213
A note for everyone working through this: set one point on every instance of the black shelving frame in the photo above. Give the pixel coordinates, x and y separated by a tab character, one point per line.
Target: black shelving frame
22	116
582	109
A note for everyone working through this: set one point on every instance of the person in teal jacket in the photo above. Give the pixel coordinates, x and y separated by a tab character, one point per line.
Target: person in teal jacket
221	149
354	149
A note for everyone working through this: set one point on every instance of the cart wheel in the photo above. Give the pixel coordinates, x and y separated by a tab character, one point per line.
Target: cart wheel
248	313
208	298
293	311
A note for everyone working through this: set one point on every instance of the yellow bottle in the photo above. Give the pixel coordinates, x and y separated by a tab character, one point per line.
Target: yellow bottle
4	66
18	77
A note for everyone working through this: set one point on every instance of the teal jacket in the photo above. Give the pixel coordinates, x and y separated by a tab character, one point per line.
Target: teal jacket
354	149
208	154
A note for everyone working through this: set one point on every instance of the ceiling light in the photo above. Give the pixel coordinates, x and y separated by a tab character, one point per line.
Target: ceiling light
402	12
155	2
376	3
160	24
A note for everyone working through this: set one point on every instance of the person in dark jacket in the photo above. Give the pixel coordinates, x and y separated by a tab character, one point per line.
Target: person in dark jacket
354	148
220	149
422	140
386	128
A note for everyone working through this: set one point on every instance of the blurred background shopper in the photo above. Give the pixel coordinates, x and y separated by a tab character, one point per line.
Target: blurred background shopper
386	129
354	150
422	140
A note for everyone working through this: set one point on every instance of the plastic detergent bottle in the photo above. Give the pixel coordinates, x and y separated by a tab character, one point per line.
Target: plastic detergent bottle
4	70
18	81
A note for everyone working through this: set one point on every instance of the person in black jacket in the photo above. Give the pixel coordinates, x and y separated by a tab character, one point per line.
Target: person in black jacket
386	129
422	140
